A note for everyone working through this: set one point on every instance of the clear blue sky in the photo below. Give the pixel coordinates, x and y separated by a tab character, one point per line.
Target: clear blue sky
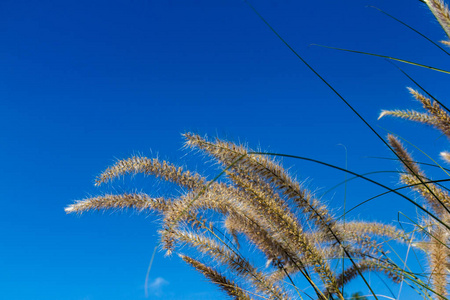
83	83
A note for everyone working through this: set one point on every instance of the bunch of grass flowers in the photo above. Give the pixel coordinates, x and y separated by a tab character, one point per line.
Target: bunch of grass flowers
435	225
260	204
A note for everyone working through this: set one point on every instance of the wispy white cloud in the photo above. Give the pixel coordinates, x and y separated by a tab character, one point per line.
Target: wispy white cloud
156	286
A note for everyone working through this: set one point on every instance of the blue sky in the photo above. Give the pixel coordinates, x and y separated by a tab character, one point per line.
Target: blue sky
83	83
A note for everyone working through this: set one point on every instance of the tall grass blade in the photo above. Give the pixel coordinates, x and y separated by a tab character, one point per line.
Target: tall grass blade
384	56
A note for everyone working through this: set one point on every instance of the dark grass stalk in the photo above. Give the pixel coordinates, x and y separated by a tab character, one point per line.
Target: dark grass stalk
420	86
437	182
406	25
393	191
356	177
345	202
416	162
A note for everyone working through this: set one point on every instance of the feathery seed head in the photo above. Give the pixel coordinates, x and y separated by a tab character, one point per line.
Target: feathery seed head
441	12
164	170
410	115
139	202
408	162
